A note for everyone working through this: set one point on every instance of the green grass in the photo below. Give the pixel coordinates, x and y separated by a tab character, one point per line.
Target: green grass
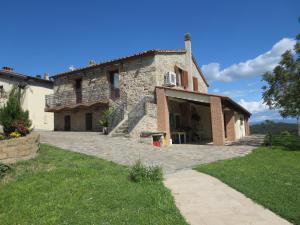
269	176
62	187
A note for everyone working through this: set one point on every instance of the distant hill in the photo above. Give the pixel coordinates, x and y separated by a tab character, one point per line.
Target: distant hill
277	128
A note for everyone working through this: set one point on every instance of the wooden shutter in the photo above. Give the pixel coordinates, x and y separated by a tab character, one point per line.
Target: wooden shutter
195	83
176	69
185	79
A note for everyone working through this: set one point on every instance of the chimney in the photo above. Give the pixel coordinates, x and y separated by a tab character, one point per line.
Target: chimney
46	76
188	59
8	69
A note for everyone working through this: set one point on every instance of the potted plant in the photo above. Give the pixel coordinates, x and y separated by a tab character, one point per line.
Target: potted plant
103	121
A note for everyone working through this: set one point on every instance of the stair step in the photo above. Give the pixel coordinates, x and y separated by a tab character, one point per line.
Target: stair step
118	135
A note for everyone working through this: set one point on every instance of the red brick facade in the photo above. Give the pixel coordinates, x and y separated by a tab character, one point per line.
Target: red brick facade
217	120
247	128
163	122
230	128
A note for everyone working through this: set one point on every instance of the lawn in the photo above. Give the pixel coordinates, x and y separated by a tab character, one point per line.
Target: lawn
62	187
269	176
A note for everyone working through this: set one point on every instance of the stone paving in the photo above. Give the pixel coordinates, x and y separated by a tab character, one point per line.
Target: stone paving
204	200
125	151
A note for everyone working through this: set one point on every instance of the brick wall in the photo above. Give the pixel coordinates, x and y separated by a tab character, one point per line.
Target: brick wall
247	127
163	123
217	121
230	126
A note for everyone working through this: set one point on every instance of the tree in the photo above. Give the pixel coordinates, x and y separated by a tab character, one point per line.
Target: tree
268	126
12	116
282	91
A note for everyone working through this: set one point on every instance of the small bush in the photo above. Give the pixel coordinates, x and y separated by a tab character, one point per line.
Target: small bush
290	142
140	173
12	116
21	128
15	134
285	133
2	137
3	169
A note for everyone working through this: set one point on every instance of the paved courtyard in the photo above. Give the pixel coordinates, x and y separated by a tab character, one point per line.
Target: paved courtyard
124	151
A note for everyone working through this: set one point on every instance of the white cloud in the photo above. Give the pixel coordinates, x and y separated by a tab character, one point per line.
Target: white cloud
252	67
237	93
72	68
216	90
254	106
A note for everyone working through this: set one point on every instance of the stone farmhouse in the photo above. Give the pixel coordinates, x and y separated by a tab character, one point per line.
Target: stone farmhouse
158	92
36	88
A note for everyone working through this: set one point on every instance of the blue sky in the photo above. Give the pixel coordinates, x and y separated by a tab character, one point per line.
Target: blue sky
238	36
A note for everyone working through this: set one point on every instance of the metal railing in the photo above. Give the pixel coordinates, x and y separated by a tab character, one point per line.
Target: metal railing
71	97
138	111
117	114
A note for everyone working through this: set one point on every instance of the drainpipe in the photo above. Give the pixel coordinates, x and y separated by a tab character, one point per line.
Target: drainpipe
188	59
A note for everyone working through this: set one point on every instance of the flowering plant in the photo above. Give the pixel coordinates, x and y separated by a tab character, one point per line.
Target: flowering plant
21	128
15	134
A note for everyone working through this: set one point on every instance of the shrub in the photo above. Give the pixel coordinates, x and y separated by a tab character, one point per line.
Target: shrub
2	137
21	128
12	116
290	142
3	169
140	173
285	133
103	121
15	134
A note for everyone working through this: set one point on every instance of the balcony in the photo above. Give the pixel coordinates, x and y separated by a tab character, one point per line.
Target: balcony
73	99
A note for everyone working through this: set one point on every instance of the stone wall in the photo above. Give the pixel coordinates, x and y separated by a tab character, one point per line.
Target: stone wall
147	123
137	80
22	148
167	61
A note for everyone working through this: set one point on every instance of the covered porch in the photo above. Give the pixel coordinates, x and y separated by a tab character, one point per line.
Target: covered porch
198	118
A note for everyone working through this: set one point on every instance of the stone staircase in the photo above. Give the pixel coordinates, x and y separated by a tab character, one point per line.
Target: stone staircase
122	130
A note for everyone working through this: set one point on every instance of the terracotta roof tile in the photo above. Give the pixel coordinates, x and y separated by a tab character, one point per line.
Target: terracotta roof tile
144	53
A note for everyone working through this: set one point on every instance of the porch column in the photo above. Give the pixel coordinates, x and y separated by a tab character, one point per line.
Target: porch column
247	128
217	121
163	122
229	122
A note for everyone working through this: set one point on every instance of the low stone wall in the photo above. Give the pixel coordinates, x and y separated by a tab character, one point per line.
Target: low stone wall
22	148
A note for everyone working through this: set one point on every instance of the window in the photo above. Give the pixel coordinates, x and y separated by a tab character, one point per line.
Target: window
78	90
78	84
181	77
195	84
114	81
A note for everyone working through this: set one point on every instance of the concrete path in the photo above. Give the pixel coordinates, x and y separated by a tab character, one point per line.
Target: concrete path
126	152
204	200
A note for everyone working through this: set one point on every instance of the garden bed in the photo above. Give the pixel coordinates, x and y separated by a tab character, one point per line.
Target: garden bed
15	149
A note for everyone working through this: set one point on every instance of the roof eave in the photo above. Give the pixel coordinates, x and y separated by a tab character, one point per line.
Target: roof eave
121	59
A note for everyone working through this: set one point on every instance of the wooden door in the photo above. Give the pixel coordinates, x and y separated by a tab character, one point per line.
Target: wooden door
67	123
89	121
